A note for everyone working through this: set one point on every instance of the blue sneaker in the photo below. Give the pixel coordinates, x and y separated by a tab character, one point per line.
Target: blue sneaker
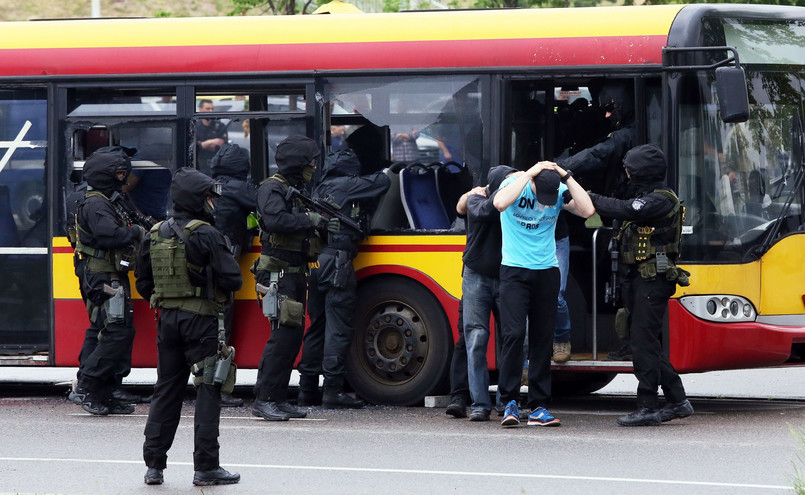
541	417
511	416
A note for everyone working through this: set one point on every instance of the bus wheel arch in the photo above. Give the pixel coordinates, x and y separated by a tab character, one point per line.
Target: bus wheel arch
402	342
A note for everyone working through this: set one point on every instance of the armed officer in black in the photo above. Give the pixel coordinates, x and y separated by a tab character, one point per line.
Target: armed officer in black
332	295
290	238
187	271
648	241
106	243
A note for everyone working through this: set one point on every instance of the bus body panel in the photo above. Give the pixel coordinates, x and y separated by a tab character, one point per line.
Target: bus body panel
782	272
504	38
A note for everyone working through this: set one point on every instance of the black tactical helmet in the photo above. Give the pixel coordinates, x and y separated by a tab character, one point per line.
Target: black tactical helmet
232	161
293	155
190	190
107	169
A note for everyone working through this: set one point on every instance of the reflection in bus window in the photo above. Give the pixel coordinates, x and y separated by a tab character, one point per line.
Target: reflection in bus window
736	179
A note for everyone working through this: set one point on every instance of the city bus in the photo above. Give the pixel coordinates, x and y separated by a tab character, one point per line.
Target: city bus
473	89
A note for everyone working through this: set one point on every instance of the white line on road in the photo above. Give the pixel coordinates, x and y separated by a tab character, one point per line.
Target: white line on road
424	471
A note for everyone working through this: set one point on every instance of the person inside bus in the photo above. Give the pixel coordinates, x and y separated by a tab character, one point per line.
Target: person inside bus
107	246
187	255
291	239
529	203
332	289
652	216
210	136
231	167
599	166
480	281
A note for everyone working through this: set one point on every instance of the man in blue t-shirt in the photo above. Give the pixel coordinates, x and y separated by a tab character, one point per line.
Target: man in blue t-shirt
530	203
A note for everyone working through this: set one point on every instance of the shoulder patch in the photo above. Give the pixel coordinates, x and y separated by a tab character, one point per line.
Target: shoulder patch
638	204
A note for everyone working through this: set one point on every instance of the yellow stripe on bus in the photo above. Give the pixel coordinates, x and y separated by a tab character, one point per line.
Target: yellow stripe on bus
458	25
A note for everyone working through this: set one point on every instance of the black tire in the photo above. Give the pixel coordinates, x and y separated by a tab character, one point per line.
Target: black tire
401	347
566	383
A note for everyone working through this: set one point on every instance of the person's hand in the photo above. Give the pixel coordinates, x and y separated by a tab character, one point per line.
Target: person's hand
333	226
539	167
138	232
479	190
316	220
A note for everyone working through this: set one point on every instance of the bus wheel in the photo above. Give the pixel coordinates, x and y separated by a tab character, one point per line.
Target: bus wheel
401	347
578	383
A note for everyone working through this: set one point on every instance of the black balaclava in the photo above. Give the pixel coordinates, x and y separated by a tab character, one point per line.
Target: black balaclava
497	175
232	161
294	153
189	192
646	166
617	98
101	168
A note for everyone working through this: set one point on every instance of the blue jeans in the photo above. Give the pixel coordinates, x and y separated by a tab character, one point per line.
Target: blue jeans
562	332
481	297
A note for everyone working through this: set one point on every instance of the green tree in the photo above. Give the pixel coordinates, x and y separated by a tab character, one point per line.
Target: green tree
271	7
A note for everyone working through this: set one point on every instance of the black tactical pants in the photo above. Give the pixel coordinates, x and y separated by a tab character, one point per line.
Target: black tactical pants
528	294
106	353
331	308
647	301
183	339
283	344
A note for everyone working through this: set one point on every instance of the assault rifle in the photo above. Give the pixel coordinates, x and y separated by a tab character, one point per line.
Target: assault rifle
327	208
611	287
129	214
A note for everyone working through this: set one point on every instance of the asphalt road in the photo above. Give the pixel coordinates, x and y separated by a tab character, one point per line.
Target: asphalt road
730	446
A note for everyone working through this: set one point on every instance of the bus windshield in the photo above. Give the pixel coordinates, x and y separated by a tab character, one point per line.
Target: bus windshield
739	181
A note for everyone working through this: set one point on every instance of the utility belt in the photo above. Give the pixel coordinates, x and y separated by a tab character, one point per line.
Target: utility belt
276	307
195	305
660	265
103	261
219	369
307	243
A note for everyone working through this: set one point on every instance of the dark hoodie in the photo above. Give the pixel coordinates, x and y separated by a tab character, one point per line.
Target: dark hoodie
293	155
230	166
100	169
482	251
206	246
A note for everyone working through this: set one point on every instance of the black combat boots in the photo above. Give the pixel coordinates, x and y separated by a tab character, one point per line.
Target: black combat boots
334	398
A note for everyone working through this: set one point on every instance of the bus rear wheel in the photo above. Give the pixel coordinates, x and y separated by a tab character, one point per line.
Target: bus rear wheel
400	349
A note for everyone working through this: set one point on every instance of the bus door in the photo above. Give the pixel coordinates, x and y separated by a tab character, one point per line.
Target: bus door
24	236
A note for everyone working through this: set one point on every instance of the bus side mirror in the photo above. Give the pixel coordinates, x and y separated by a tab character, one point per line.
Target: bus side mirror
733	98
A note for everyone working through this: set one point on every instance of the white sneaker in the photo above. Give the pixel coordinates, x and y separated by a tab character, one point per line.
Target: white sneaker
561	352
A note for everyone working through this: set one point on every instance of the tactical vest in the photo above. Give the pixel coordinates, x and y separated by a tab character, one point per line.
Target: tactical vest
305	241
100	260
641	243
172	286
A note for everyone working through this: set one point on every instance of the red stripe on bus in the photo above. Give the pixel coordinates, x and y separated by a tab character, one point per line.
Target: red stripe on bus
324	56
63	250
411	248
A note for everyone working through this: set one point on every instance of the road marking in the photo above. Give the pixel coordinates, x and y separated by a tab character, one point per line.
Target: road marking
421	472
247	418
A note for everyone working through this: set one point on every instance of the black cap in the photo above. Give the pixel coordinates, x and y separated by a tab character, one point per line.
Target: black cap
547	184
497	175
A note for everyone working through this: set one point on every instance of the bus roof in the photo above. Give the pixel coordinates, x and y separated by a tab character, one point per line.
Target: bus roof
445	39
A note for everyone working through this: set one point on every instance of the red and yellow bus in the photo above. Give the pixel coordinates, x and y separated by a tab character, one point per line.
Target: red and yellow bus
479	88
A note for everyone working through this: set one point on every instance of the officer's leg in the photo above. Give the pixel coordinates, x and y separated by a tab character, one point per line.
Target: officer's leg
340	309
166	404
648	311
310	366
282	346
200	335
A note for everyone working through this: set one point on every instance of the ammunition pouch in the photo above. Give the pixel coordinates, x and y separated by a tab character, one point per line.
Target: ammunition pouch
623	322
292	313
647	269
307	243
216	370
204	371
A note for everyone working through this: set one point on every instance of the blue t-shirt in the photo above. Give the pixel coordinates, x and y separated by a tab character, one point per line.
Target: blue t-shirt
528	230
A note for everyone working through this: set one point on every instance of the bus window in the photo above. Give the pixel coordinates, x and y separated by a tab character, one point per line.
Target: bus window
24	234
261	119
737	180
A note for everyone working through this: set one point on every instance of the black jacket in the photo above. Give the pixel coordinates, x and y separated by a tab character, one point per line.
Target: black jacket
482	253
279	215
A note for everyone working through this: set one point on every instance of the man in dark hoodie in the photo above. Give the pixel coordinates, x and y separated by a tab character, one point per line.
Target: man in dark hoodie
107	245
187	271
291	238
649	246
480	283
332	295
230	167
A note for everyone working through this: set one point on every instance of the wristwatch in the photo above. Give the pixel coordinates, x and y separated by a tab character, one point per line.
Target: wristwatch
568	174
